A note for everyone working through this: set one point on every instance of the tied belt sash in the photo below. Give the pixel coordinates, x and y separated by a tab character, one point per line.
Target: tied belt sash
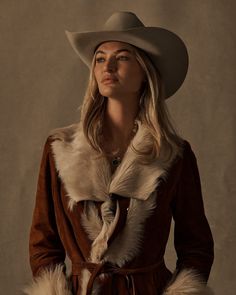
107	268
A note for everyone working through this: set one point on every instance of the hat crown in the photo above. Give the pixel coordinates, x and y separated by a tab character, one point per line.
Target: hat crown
122	20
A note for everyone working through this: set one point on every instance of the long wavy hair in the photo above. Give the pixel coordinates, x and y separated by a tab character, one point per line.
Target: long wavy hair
153	112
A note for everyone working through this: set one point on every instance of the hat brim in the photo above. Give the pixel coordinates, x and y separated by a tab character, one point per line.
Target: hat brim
166	50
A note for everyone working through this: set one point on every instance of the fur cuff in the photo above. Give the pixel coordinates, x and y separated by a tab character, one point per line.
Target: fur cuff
49	282
187	282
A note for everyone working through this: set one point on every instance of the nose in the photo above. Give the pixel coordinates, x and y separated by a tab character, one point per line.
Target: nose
110	65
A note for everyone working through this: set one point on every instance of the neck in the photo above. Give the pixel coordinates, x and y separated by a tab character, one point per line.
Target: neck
119	119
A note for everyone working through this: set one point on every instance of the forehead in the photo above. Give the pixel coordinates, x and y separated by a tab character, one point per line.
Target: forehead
114	46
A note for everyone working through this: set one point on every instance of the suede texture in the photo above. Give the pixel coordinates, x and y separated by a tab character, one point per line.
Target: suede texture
57	230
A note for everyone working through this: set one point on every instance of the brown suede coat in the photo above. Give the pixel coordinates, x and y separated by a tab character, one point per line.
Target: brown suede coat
117	249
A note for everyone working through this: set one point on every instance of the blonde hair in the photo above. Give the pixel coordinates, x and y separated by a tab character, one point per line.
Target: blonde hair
153	112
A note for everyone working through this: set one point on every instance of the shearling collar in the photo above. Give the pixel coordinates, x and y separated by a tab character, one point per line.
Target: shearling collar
87	176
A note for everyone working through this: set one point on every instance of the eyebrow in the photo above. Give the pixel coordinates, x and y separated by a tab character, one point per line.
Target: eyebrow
117	51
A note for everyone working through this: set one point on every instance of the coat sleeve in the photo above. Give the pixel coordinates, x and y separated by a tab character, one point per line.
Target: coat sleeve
46	251
192	235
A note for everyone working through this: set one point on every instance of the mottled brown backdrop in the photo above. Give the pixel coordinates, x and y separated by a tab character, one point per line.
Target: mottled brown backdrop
42	84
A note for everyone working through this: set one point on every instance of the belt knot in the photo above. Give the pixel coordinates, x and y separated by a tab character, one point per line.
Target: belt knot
108	268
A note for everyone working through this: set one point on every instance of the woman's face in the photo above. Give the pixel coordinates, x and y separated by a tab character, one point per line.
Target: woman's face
117	71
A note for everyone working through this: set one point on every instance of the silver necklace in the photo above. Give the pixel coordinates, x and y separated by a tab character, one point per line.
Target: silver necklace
116	159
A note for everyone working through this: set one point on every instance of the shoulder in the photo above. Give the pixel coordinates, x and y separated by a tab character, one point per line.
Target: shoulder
186	156
66	134
182	150
63	136
188	150
189	164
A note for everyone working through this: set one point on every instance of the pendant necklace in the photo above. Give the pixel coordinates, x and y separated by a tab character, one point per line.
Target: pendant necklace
116	161
116	158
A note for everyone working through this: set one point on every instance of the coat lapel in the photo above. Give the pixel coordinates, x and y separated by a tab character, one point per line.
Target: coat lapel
86	175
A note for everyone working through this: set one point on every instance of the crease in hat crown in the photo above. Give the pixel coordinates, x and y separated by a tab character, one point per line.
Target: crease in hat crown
122	20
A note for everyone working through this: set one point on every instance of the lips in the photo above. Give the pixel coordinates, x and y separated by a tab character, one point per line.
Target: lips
109	79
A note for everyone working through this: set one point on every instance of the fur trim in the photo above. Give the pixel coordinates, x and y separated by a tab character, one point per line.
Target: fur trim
49	282
135	179
128	243
187	282
84	173
87	176
85	275
100	244
91	221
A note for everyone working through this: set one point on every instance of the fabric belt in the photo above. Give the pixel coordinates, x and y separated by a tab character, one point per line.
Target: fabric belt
107	268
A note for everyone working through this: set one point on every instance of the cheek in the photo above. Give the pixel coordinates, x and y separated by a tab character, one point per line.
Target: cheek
97	74
97	77
135	77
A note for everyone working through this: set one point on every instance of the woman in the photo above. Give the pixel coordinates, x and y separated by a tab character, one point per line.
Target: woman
109	185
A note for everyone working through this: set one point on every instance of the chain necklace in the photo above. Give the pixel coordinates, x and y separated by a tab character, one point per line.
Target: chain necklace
116	157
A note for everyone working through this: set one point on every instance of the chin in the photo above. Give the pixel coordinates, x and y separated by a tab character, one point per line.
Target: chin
113	94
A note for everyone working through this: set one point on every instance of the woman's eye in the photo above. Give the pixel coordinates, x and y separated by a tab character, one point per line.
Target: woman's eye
100	59
123	57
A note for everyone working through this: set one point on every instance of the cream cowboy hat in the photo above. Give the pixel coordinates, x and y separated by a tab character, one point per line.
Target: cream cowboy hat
166	50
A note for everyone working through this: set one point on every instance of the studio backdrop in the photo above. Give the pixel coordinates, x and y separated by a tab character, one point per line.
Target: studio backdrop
42	87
